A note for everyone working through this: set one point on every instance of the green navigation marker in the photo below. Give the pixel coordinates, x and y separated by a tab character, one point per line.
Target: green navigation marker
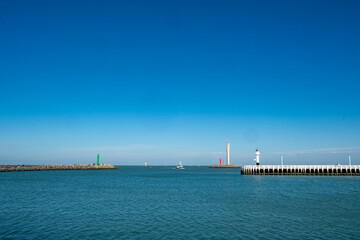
98	162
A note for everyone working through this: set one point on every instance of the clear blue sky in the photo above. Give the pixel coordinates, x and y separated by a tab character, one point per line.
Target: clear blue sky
164	81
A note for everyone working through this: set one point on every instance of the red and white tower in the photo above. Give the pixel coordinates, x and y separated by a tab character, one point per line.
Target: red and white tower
227	153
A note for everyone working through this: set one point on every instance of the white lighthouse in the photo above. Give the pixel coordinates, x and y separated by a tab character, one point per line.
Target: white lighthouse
257	157
227	153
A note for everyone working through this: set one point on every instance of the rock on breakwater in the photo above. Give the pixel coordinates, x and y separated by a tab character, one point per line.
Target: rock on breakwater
51	167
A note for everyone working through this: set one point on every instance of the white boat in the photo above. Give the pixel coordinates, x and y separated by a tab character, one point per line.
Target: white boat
180	166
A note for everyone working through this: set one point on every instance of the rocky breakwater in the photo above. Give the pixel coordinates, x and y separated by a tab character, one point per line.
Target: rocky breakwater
224	166
51	167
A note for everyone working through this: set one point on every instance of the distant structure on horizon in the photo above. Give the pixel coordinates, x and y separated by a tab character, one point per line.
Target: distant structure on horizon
227	153
227	163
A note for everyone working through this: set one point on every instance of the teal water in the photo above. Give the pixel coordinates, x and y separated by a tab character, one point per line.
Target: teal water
165	203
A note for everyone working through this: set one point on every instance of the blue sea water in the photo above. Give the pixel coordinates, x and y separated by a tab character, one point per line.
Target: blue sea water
165	203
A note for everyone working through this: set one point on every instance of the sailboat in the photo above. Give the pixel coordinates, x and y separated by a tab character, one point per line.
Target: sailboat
180	166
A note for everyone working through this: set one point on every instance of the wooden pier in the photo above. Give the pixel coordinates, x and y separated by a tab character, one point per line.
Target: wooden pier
325	170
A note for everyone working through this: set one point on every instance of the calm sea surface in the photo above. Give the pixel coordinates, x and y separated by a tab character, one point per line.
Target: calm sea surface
165	203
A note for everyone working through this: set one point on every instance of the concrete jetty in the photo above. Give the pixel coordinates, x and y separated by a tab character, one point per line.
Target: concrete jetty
327	170
51	167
